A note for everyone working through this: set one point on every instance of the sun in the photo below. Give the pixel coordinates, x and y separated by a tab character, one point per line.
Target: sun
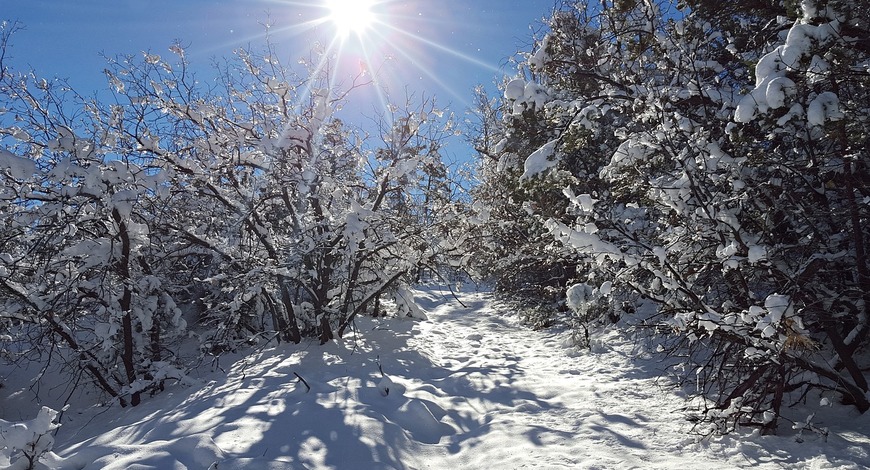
351	16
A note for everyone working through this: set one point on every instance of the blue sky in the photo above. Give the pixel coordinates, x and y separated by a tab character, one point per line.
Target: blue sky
442	48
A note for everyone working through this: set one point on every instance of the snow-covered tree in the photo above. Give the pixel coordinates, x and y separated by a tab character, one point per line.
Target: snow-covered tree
506	236
721	178
234	212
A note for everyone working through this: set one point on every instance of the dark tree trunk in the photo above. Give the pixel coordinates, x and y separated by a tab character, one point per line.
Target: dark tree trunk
123	270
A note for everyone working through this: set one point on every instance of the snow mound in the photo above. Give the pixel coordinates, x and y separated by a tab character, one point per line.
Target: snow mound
193	451
417	419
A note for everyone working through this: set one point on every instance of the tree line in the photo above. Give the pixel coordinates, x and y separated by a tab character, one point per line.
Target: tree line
701	168
238	212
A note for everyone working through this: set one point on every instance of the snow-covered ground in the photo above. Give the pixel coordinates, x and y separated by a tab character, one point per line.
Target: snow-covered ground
467	389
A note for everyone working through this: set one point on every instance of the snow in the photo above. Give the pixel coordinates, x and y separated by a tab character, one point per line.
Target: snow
810	10
757	253
536	94
777	305
539	59
578	295
525	95
824	107
584	202
28	439
17	167
773	87
468	389
541	160
777	90
515	89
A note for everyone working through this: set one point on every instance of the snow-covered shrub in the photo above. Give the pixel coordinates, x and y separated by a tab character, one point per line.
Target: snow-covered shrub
22	444
590	305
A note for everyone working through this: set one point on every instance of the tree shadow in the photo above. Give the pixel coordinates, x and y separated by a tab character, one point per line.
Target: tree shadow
261	414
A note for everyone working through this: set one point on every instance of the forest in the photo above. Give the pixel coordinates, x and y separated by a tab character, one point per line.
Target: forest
693	171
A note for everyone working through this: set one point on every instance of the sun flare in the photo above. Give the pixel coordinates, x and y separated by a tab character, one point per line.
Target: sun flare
351	16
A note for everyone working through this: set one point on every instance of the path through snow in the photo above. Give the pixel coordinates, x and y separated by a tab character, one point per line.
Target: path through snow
467	389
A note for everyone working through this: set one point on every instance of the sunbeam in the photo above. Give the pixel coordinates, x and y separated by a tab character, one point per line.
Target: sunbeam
393	45
440	47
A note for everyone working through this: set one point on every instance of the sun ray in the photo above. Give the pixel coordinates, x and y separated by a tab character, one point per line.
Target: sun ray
414	58
444	48
432	75
395	45
379	91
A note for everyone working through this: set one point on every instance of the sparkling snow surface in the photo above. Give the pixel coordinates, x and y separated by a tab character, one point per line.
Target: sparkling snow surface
467	389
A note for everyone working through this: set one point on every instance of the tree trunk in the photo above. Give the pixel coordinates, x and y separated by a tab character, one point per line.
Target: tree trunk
123	270
288	326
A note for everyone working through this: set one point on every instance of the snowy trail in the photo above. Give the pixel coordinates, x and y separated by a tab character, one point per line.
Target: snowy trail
557	408
542	406
467	389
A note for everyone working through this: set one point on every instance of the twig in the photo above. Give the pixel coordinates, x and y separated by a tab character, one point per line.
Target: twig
450	288
303	381
259	350
380	368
